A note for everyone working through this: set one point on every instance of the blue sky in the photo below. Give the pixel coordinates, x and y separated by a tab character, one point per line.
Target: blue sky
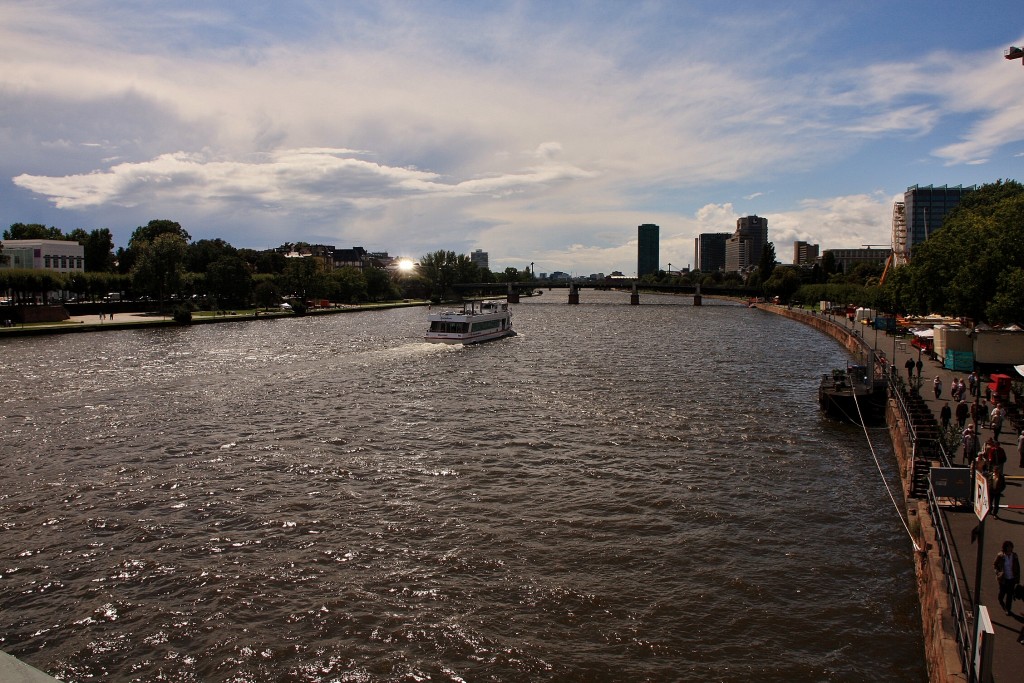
540	132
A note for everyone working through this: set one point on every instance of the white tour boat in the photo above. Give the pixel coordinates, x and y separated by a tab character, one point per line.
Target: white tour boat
478	321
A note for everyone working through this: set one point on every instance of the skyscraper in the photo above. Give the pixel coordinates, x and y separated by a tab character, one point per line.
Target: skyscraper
709	251
926	209
480	259
743	249
647	249
804	253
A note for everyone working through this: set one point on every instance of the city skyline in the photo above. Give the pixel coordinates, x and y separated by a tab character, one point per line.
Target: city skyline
539	133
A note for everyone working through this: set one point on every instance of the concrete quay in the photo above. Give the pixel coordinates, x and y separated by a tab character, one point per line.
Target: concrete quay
15	671
937	579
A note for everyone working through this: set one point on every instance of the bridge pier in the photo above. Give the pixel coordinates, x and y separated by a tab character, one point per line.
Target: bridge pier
513	295
634	298
696	296
574	295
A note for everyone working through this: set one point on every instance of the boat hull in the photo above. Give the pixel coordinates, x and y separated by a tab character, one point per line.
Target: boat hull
464	339
851	397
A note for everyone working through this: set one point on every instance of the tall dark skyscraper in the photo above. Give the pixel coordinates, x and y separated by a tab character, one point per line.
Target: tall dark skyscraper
927	207
647	249
709	251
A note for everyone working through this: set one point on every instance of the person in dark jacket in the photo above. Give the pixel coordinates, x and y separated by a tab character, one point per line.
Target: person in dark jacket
962	410
945	415
1007	566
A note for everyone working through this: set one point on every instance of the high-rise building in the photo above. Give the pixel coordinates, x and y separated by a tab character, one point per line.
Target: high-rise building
709	251
925	210
845	259
743	249
479	258
804	254
647	249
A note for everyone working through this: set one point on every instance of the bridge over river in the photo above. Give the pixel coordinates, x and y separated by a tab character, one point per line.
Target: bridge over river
513	289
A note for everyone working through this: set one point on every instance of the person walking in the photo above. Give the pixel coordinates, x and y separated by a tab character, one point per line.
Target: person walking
996	420
996	486
1007	566
937	386
909	365
1020	447
945	415
961	413
972	383
970	444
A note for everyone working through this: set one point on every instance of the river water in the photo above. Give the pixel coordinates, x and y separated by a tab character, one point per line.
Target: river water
619	493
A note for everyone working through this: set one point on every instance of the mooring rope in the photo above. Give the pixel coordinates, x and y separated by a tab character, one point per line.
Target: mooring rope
895	505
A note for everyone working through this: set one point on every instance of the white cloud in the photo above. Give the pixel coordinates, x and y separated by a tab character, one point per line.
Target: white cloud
412	129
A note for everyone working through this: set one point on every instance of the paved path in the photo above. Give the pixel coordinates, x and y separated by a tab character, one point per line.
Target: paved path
1008	663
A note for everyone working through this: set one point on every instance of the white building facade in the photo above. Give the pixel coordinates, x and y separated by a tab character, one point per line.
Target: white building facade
57	255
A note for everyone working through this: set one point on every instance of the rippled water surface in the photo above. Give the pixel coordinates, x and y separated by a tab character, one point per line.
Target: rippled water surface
619	493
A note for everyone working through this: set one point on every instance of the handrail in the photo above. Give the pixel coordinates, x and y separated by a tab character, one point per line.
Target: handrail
961	612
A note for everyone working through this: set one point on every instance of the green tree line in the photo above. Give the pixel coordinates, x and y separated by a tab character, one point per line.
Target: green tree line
162	263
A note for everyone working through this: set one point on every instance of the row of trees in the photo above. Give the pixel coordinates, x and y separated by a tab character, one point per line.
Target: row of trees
162	263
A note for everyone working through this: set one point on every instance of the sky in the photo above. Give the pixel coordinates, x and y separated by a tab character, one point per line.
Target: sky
540	132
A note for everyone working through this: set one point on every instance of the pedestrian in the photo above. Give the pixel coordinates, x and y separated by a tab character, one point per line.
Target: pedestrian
945	415
1020	446
989	453
909	365
1007	566
996	420
996	485
970	444
937	386
997	458
972	382
919	365
961	413
983	412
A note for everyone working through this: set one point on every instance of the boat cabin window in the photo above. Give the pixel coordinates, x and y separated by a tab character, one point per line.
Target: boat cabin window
447	327
486	325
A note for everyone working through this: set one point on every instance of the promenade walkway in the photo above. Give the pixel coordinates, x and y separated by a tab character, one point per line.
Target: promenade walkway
1008	661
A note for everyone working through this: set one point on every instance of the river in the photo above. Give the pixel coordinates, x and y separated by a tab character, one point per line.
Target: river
618	493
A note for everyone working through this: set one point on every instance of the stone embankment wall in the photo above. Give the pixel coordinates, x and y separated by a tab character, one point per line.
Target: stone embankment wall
941	653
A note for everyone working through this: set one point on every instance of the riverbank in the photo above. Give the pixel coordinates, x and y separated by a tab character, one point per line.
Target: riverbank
124	321
954	526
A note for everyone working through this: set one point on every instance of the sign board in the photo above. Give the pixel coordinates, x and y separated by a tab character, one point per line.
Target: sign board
984	640
951	482
980	495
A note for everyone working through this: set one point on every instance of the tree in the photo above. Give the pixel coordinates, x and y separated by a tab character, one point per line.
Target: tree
99	251
202	253
767	263
266	292
228	280
32	231
380	286
126	258
349	285
154	229
784	283
159	264
304	278
438	268
1007	306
